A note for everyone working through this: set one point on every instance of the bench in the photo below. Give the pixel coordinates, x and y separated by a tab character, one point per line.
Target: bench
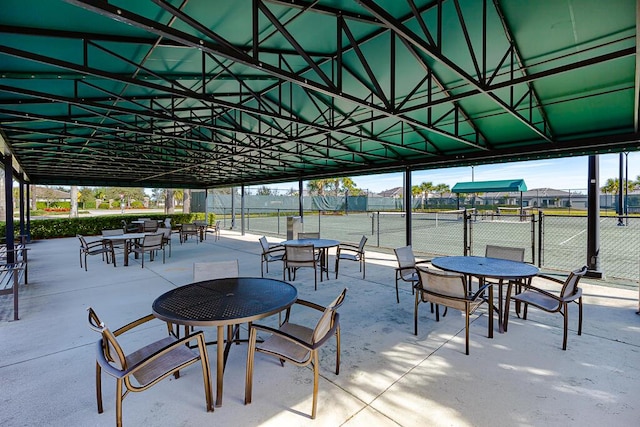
13	274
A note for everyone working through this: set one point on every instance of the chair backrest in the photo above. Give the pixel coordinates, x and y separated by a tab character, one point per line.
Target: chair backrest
325	323
405	257
83	242
165	231
363	241
264	243
570	286
188	227
150	225
151	240
315	235
215	270
300	256
444	283
111	348
505	252
200	223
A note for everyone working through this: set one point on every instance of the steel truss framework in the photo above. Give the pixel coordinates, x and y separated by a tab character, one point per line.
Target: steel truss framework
197	94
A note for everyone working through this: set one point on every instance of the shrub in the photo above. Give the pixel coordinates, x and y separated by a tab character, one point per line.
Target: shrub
91	226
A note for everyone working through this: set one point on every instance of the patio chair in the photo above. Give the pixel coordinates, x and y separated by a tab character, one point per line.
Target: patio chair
215	270
314	235
300	256
552	302
508	253
297	344
118	243
188	230
98	247
151	243
145	367
351	252
129	228
406	270
270	253
450	290
150	226
166	237
215	229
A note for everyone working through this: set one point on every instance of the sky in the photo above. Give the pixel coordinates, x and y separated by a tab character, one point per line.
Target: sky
568	173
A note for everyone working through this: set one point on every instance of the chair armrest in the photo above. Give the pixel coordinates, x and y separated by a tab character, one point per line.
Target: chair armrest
550	278
545	293
480	291
424	261
133	324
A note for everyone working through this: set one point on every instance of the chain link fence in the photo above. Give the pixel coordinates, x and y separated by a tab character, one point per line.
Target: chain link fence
556	242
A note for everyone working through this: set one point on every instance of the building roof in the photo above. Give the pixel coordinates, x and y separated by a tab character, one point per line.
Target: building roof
505	185
214	94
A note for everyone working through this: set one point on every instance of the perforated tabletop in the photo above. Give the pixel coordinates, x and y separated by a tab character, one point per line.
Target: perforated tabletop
224	301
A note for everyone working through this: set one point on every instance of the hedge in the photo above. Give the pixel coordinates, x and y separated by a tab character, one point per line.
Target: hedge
90	226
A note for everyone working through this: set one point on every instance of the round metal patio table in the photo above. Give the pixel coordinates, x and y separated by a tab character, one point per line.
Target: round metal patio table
224	302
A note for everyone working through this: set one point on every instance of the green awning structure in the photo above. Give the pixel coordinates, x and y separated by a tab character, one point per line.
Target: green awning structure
202	94
506	185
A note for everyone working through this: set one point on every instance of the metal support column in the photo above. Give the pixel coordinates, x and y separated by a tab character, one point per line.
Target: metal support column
300	205
8	197
22	222
593	218
406	195
242	209
28	198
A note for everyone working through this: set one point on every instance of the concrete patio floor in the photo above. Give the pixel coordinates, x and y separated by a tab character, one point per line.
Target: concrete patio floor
388	376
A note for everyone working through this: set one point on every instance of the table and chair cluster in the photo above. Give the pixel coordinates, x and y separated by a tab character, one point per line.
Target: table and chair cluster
142	236
222	300
449	281
217	298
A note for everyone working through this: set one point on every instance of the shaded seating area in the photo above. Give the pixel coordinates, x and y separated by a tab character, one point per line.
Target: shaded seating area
143	368
384	368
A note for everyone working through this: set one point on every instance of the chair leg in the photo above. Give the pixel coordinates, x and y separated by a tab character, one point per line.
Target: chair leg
397	295
119	402
580	316
415	314
337	265
248	384
316	377
466	329
338	350
99	387
565	314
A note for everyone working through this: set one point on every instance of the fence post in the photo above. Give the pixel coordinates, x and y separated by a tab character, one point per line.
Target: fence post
466	225
533	238
540	236
378	231
278	222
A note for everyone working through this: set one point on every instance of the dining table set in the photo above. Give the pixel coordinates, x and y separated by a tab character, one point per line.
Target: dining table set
483	268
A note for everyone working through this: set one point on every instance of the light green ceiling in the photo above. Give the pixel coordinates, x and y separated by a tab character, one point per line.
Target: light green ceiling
196	93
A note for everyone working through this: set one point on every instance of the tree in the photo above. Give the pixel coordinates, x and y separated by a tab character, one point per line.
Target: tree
333	185
264	191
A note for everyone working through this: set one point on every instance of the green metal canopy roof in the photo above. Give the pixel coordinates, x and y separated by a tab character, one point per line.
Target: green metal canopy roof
506	185
201	93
